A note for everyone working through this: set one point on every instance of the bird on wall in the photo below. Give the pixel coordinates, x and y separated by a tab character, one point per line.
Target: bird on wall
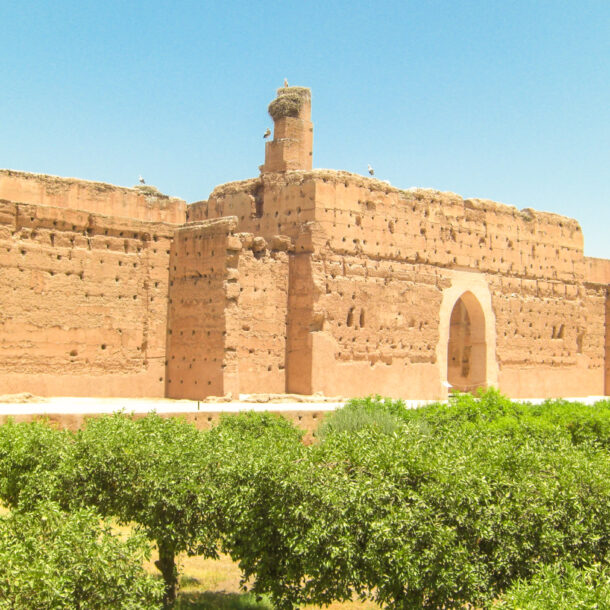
371	170
267	133
141	180
285	82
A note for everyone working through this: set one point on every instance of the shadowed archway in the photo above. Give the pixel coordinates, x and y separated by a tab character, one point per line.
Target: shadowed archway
467	348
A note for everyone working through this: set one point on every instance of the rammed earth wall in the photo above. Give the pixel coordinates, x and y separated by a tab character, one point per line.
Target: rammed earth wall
298	280
84	302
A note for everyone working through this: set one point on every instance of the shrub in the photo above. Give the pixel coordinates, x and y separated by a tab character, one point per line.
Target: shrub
30	455
385	414
52	559
561	587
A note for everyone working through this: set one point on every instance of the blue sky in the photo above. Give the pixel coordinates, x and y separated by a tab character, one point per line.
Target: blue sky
506	100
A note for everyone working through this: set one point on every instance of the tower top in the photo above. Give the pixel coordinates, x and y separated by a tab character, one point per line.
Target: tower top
292	144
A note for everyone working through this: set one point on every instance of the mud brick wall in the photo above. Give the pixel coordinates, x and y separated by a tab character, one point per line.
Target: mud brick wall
378	326
142	203
607	361
256	317
274	204
198	363
368	217
83	302
547	323
227	312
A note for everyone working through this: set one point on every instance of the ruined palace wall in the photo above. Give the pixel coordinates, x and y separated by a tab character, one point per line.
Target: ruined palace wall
549	324
198	364
256	318
369	217
97	197
274	204
377	327
83	303
597	270
227	312
607	362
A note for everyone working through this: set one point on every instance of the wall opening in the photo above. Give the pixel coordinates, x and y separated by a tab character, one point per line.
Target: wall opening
467	348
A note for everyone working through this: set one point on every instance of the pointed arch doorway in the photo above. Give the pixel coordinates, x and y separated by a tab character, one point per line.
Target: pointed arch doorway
467	347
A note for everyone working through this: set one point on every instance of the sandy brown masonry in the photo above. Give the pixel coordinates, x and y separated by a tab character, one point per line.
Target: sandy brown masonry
297	280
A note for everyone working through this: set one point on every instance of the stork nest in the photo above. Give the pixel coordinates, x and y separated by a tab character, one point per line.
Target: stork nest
288	102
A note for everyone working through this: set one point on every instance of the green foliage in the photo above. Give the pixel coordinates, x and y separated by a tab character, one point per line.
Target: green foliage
429	516
440	506
221	601
151	471
561	587
52	559
30	454
258	454
358	413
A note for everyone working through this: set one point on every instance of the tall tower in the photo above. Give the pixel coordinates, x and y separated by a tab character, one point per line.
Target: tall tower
292	144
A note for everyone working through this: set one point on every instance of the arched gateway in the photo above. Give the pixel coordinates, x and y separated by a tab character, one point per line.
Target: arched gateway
467	348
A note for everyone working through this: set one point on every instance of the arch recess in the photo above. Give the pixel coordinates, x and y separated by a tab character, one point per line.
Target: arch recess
466	347
471	289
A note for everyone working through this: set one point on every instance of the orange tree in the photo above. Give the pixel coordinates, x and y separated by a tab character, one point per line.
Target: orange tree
150	471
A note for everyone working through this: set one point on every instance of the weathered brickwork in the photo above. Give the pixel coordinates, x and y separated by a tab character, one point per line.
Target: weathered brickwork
84	300
298	281
196	335
256	316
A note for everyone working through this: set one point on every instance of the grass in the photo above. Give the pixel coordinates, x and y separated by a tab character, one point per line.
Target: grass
214	584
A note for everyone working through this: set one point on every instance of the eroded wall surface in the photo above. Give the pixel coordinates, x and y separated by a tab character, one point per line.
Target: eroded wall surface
83	302
388	255
371	265
141	203
227	311
198	362
256	318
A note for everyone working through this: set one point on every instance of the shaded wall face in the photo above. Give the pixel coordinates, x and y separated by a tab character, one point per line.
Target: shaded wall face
607	360
83	303
466	351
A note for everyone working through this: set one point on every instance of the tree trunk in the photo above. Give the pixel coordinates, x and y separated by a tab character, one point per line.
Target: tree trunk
166	564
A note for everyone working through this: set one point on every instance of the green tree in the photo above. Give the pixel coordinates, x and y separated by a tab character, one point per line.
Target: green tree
152	471
53	559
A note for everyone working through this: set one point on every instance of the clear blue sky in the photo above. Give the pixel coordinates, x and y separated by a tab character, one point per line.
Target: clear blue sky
506	100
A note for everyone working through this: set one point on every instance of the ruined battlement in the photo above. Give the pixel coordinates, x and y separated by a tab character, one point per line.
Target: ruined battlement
358	215
141	202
